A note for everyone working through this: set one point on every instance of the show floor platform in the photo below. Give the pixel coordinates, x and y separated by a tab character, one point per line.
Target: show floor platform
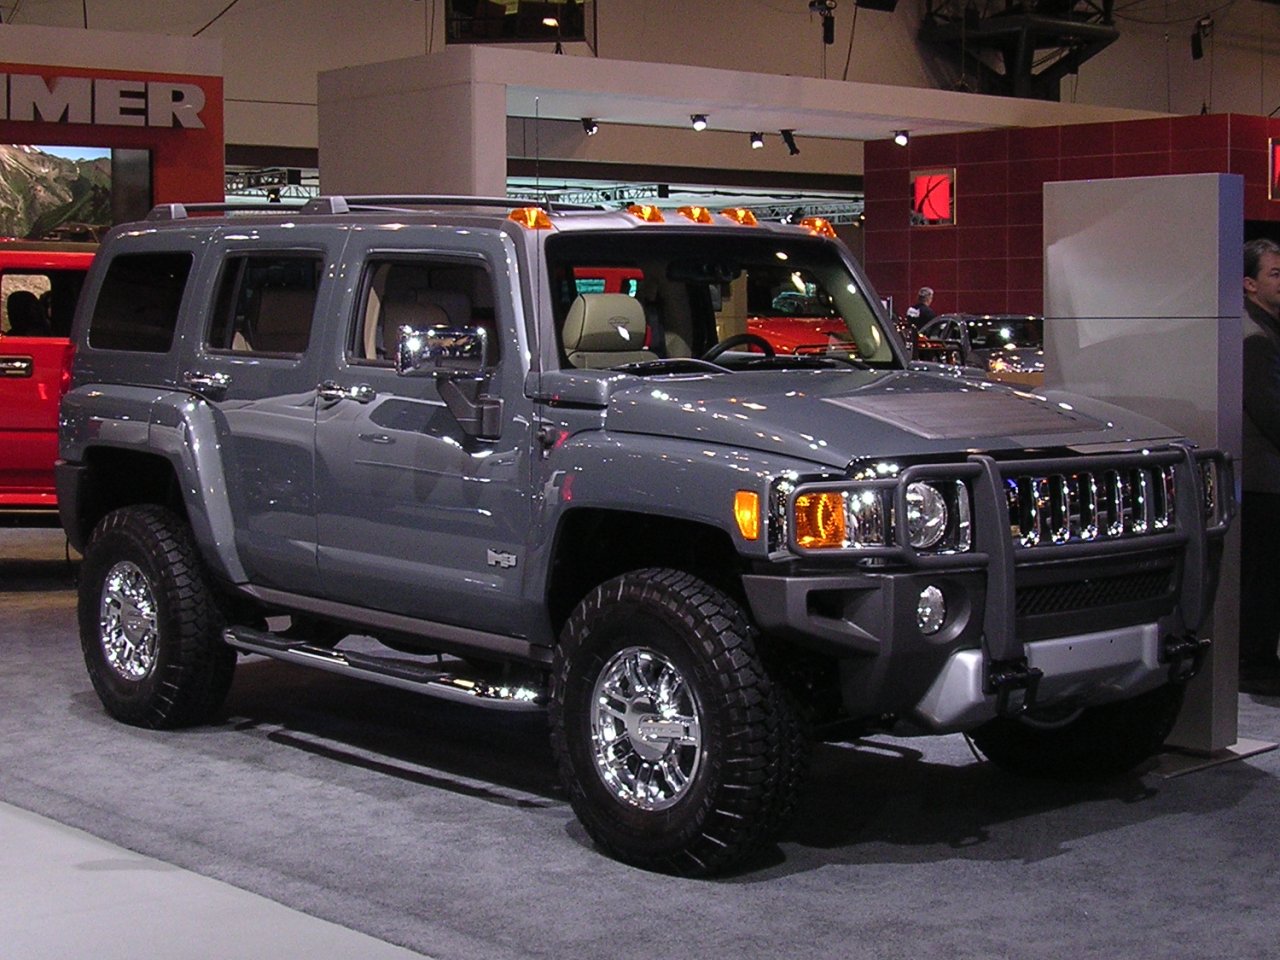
67	894
326	818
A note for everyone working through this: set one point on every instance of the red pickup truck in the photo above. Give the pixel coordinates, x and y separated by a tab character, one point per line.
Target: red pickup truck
39	284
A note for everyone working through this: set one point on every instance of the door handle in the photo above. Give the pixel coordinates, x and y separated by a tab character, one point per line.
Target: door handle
332	392
16	366
210	384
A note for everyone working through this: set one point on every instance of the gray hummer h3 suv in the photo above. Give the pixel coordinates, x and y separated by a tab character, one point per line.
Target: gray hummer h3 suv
531	458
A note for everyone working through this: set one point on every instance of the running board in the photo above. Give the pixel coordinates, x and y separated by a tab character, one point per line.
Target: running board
401	672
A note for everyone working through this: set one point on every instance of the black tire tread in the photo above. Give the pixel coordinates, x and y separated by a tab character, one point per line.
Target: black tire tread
1104	741
194	668
764	763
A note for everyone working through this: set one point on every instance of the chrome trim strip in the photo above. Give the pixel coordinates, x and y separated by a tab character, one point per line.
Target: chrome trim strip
445	685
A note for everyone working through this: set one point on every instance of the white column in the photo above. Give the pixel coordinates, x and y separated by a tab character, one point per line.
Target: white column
1142	306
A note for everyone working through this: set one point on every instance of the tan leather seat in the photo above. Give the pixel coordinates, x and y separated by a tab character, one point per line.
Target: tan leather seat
399	313
284	320
603	330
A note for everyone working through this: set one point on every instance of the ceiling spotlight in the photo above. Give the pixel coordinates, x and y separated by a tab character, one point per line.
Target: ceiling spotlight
789	138
590	126
1202	32
757	141
900	137
699	121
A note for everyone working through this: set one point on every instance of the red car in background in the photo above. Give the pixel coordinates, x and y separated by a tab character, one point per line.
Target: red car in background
39	285
802	323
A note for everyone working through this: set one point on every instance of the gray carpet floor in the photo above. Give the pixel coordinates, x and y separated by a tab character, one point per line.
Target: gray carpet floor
441	827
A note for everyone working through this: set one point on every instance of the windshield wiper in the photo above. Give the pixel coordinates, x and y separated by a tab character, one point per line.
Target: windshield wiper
643	368
802	361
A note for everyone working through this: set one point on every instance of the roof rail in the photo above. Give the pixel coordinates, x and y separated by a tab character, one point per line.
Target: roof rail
319	205
181	211
455	200
346	204
438	200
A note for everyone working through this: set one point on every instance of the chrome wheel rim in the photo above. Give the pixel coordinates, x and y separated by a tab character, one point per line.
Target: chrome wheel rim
646	733
127	622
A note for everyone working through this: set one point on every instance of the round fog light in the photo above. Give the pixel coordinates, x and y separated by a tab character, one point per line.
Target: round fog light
931	610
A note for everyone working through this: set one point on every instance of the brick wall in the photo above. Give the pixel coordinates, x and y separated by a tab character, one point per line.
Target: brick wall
991	259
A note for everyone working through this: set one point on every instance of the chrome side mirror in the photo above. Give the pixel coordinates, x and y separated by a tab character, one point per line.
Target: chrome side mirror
437	351
458	358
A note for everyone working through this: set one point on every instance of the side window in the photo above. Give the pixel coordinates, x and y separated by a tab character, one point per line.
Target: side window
266	303
39	302
24	302
420	292
137	307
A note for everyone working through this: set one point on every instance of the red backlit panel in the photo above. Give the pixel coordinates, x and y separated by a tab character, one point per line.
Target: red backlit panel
932	197
1274	179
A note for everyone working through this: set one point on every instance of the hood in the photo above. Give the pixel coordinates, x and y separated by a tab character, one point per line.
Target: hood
834	417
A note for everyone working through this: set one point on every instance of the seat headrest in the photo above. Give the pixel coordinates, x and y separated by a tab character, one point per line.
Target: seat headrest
604	323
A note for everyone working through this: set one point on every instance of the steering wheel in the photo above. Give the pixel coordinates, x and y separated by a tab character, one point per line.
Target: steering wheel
738	340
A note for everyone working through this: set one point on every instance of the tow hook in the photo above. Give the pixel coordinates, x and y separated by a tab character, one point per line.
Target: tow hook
1185	655
1014	684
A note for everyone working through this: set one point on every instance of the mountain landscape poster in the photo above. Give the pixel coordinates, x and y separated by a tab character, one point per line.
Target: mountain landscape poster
54	193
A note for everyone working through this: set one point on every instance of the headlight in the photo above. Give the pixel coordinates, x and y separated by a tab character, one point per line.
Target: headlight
926	516
854	516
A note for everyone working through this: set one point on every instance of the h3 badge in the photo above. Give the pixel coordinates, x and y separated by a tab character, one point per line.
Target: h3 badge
500	559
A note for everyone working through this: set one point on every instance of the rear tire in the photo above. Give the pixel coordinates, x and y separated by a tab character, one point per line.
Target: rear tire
150	629
678	752
1099	742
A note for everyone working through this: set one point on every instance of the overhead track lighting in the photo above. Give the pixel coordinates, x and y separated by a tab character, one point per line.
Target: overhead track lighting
757	141
900	137
699	121
789	138
826	10
590	126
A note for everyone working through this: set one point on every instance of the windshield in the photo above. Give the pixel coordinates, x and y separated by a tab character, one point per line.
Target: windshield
638	296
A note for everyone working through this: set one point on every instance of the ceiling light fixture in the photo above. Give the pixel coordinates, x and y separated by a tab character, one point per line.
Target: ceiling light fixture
699	121
757	141
1202	32
900	137
789	138
590	126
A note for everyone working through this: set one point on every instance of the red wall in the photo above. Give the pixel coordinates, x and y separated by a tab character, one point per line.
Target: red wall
186	164
991	259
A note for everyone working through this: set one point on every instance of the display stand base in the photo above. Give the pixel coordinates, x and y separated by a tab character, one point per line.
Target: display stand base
1175	762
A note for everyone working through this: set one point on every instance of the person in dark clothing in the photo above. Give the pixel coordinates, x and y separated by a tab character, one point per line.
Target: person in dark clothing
1260	503
921	313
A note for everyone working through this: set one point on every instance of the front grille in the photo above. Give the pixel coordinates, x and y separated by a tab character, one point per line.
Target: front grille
1093	592
1085	505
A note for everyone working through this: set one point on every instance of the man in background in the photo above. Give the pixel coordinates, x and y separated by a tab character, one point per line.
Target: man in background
921	313
1260	503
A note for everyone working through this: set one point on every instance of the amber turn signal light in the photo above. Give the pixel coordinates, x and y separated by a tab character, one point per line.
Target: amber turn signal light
820	520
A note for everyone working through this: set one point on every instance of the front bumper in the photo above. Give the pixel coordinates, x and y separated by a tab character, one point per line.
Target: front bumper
1067	621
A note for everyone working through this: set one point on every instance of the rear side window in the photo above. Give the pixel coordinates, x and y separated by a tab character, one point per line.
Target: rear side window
38	303
266	303
137	308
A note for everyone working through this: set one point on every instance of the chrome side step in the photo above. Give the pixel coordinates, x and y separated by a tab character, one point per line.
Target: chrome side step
405	673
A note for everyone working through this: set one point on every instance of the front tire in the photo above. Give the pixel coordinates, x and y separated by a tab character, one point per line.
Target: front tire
678	752
149	625
1099	742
